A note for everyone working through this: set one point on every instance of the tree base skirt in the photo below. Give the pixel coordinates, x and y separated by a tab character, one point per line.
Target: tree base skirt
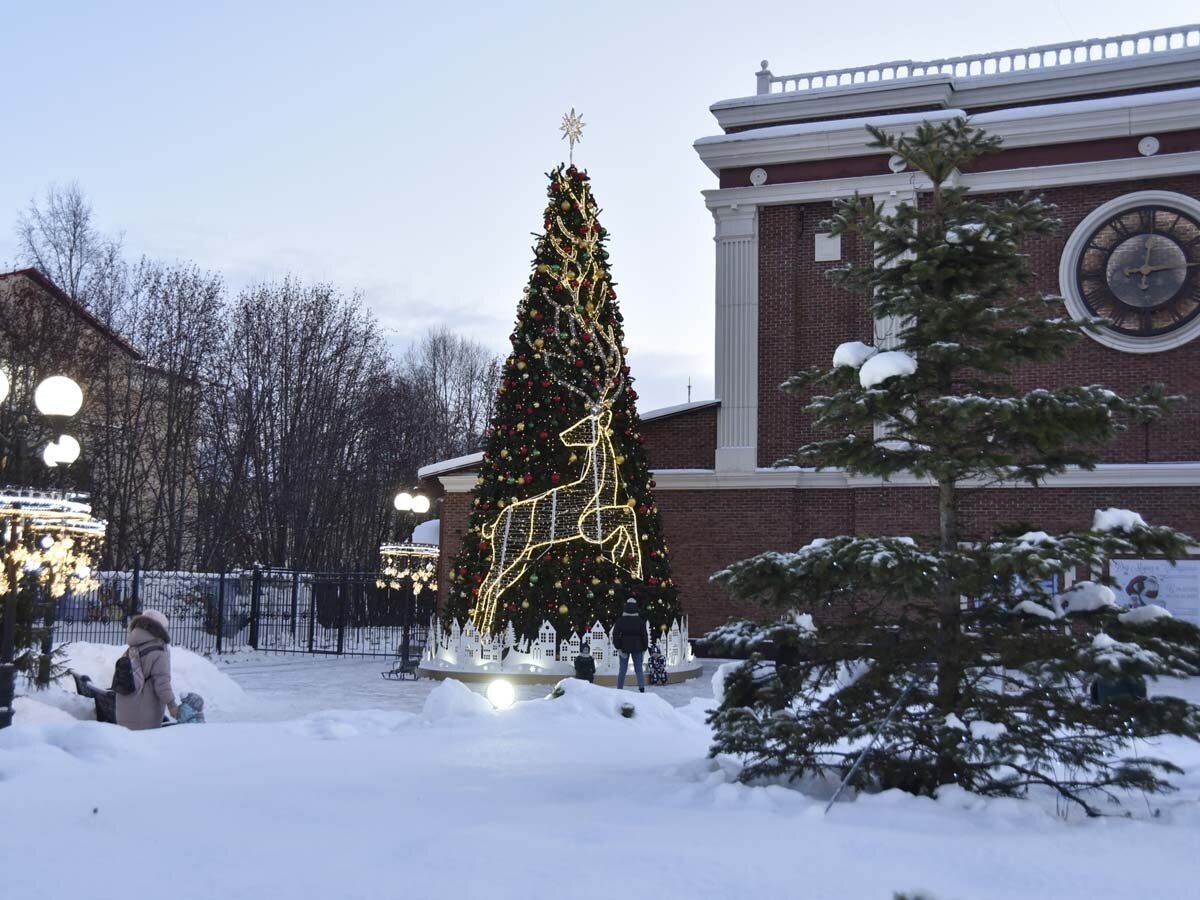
684	672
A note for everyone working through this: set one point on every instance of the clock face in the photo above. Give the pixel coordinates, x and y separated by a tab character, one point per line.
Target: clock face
1141	271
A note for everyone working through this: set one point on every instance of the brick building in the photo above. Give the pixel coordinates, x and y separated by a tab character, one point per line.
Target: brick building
1107	130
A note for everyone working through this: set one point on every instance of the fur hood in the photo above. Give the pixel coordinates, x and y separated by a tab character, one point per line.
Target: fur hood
153	625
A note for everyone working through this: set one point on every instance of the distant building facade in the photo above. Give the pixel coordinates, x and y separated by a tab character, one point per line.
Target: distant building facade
44	331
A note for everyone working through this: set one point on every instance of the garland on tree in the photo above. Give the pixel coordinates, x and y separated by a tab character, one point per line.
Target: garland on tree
563	525
959	649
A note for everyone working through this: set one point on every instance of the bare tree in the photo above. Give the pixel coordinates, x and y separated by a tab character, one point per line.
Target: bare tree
458	377
57	238
146	450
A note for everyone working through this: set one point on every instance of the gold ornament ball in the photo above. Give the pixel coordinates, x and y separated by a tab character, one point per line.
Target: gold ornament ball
524	604
565	205
564	609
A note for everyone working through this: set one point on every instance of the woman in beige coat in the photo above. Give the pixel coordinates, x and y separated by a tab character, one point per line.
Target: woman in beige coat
148	638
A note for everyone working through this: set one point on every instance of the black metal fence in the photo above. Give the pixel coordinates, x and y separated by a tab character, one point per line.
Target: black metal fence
352	614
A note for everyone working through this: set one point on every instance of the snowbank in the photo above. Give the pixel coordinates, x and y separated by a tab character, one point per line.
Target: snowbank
882	366
453	699
548	793
189	672
584	699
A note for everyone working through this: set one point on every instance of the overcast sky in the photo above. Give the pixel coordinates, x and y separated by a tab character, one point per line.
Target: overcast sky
399	149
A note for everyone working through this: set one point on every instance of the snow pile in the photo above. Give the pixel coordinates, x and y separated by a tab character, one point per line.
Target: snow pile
41	710
1086	596
428	532
1034	609
882	366
452	700
724	670
1036	538
1117	654
190	672
578	700
1113	519
852	354
1143	614
967	231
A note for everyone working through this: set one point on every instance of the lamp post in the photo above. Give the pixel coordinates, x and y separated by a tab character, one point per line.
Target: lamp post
56	398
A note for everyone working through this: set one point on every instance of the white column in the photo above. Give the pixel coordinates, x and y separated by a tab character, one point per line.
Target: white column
737	337
887	329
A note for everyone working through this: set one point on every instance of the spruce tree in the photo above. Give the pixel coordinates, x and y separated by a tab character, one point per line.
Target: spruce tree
563	526
961	643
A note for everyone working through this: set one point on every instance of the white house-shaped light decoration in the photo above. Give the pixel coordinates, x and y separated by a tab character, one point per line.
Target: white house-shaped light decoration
674	652
599	641
546	640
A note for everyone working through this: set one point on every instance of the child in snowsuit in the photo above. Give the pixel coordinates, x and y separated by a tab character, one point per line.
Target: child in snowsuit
585	665
191	709
658	665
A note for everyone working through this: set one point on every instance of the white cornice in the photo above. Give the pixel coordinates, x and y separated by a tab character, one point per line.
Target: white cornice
1081	120
1029	86
1101	171
1111	475
458	484
1103	476
448	465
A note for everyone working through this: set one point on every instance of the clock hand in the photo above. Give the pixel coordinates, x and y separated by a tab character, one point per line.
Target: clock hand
1146	270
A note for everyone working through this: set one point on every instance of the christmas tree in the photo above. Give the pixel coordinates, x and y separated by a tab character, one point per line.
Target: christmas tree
961	651
563	526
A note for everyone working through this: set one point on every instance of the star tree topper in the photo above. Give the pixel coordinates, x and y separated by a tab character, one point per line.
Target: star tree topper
572	129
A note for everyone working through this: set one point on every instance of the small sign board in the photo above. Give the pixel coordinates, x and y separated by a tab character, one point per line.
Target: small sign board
1176	588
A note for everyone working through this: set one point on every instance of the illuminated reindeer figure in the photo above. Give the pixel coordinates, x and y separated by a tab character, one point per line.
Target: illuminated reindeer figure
586	510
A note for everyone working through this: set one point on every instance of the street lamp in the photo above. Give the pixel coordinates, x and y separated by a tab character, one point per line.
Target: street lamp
57	397
415	503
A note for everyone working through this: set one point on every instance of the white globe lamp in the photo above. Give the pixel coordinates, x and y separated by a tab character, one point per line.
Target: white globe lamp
67	450
420	504
403	501
500	694
58	395
3	385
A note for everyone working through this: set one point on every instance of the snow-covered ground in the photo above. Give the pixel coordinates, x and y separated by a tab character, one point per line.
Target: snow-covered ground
316	778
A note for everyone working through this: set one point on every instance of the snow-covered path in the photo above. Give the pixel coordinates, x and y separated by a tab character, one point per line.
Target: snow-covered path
437	795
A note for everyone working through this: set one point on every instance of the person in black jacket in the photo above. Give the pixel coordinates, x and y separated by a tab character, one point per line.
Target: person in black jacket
585	666
629	637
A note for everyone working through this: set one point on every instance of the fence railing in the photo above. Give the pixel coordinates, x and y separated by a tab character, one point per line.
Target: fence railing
352	614
1002	62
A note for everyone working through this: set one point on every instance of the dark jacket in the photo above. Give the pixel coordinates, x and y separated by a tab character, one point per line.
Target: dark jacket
585	667
629	634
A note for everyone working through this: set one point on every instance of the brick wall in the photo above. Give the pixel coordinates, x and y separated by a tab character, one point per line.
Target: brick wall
802	318
686	440
707	530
